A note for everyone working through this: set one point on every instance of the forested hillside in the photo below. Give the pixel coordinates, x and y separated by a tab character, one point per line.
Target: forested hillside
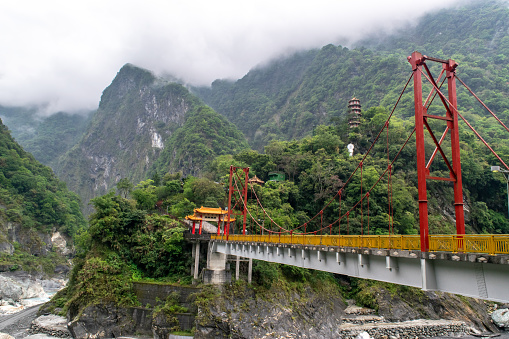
289	97
144	125
34	205
46	137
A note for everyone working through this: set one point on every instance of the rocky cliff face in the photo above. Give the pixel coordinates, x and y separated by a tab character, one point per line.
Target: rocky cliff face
136	119
126	135
30	240
241	311
38	215
54	247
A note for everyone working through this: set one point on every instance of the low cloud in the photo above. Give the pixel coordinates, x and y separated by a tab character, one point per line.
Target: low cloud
60	55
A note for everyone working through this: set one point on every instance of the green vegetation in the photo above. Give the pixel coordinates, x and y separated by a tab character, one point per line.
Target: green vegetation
22	259
145	126
289	97
46	138
295	110
31	195
168	310
34	204
318	166
128	240
203	136
365	292
54	136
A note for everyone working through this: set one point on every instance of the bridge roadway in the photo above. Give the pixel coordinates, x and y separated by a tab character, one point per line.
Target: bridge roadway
464	269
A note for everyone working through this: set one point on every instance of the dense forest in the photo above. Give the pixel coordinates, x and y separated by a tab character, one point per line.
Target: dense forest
31	194
153	152
293	112
289	97
34	204
46	137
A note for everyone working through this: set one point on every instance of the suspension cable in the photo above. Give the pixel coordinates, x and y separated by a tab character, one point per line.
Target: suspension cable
348	181
482	103
465	120
383	174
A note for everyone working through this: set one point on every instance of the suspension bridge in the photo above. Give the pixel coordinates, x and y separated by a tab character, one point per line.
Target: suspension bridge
469	264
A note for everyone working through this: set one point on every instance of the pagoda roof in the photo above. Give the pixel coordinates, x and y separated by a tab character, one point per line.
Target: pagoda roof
256	180
193	218
210	210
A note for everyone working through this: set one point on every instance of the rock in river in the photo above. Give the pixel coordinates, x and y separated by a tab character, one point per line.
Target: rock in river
501	317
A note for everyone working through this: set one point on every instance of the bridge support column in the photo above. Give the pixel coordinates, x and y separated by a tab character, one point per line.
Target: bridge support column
250	271
237	268
429	281
217	272
193	253
196	251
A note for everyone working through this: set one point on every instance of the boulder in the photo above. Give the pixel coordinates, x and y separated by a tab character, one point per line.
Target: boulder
51	325
20	285
59	244
6	336
10	289
100	321
7	248
501	317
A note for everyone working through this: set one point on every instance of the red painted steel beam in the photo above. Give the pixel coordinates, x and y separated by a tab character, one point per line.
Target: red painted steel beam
246	181
450	69
230	192
417	60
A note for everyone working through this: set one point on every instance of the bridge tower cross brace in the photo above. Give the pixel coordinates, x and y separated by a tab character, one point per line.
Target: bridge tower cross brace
418	62
237	197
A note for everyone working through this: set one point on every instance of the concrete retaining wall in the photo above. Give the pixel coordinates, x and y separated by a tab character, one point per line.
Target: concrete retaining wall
153	294
149	293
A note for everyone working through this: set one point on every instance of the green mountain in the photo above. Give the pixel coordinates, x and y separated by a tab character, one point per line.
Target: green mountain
47	138
145	124
38	215
289	97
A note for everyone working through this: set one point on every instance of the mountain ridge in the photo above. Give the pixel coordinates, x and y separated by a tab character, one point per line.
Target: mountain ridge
134	124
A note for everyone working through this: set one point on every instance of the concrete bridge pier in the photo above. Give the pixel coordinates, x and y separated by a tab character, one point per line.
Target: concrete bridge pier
237	268
195	271
217	270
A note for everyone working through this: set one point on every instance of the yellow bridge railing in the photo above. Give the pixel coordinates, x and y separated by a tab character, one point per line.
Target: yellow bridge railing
469	243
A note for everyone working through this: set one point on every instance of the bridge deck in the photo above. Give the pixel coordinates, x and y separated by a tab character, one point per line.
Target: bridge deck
472	265
469	243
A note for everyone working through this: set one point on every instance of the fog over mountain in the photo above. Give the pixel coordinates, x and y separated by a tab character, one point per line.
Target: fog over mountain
60	55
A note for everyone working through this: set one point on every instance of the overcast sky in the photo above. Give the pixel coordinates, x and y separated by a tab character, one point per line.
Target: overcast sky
60	55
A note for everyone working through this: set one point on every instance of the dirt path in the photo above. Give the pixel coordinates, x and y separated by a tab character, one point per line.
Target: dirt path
17	324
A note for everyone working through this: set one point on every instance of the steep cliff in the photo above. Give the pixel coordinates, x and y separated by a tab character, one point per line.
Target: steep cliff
320	311
46	137
139	119
38	215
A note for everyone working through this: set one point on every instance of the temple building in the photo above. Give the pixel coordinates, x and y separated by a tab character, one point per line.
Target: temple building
208	214
355	114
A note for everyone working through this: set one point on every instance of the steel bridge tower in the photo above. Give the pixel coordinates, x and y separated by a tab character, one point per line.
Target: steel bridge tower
418	62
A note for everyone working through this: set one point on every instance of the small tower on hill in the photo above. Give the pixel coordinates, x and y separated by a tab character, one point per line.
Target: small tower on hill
354	119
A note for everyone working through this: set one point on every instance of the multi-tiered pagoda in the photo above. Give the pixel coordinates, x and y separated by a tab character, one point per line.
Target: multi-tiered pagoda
354	119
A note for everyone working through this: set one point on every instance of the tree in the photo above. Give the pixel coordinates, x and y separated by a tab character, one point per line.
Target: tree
124	186
145	194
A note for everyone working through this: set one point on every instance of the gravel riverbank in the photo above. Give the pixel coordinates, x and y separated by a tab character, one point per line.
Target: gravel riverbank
18	324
